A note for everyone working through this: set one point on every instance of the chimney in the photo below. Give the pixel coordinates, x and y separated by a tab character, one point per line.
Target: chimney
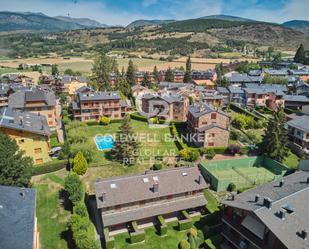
256	199
267	203
199	179
281	183
103	197
23	192
232	196
156	187
282	214
304	234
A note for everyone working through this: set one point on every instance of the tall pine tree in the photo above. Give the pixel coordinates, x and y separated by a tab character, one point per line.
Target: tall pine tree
126	147
188	73
156	74
102	68
300	56
169	75
275	139
131	79
146	80
15	168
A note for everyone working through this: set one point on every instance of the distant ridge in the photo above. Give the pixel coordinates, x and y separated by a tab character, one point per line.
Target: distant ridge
140	23
86	22
228	18
300	25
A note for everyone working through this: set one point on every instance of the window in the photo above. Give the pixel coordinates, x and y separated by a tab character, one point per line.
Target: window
212	134
37	150
39	161
214	115
50	122
211	144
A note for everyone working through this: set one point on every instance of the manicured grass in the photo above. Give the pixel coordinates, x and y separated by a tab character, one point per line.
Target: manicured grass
291	161
51	215
212	204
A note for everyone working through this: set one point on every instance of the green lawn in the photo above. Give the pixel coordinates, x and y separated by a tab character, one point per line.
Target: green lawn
292	161
51	215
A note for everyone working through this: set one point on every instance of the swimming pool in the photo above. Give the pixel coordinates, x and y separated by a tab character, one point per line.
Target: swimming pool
104	142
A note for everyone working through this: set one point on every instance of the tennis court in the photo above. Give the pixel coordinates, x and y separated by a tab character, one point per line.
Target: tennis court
244	172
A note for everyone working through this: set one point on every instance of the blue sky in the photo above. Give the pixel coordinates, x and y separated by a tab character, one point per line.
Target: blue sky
124	11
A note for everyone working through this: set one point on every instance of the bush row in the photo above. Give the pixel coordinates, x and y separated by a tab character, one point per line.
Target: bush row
109	241
49	167
239	109
138	117
175	134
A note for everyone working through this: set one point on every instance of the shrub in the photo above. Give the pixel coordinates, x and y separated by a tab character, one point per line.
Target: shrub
244	150
105	120
162	226
80	164
87	149
189	154
210	153
73	185
231	187
80	209
157	166
184	244
92	122
137	237
234	149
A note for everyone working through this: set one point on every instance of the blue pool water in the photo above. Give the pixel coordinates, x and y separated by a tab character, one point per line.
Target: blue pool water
104	142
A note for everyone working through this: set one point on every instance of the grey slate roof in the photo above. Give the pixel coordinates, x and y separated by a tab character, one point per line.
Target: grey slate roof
235	90
296	98
17	216
200	109
129	189
243	78
99	96
24	121
19	99
301	123
170	97
295	193
222	89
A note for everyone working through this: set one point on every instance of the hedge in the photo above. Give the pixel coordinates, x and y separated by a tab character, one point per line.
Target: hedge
290	111
241	110
187	223
49	167
138	235
180	143
138	117
92	122
109	241
162	226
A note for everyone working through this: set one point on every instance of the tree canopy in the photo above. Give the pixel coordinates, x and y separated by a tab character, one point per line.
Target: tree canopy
169	75
300	56
15	168
188	73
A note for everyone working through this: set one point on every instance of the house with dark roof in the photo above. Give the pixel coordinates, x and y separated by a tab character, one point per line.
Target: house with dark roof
30	131
274	215
142	197
94	105
298	131
236	95
208	126
18	220
37	101
296	101
171	105
238	78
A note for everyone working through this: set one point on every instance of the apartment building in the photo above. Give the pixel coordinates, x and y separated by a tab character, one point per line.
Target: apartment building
236	95
209	126
298	131
177	105
178	76
273	215
29	130
204	75
270	96
18	220
93	106
37	101
143	197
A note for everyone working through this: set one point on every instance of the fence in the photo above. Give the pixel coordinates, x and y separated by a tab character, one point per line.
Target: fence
243	172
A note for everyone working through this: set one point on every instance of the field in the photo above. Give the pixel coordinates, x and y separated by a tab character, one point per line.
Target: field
244	172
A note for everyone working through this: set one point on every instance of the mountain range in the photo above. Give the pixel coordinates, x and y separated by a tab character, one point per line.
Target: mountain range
15	21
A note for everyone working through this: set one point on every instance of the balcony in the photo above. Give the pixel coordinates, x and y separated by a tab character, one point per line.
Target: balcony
241	233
